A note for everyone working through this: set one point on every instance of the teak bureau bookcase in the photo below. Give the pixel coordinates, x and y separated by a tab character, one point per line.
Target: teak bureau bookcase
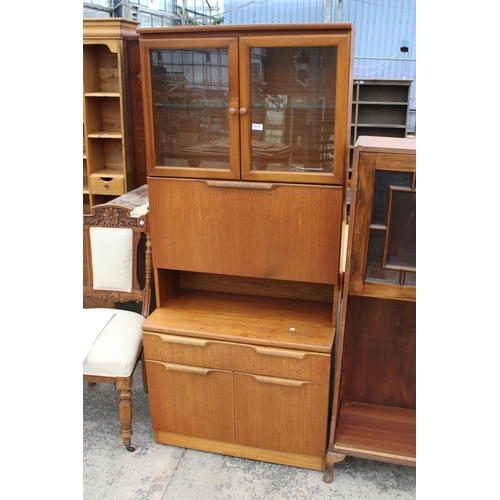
247	143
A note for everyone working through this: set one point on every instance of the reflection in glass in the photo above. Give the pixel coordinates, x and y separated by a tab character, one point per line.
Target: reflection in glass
374	269
293	108
392	236
383	180
190	98
401	239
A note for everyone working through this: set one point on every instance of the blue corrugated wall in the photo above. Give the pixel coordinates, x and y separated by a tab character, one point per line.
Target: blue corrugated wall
381	26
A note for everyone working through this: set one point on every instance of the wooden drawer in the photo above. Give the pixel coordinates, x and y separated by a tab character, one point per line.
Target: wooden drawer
258	360
254	229
106	185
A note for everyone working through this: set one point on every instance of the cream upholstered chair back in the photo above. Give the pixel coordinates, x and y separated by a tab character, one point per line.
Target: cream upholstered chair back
112	239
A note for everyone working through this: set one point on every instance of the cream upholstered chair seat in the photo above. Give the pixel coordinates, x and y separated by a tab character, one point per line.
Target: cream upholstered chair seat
117	346
112	338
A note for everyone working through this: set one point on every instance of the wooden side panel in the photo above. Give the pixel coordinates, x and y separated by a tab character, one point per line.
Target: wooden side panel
380	352
281	414
189	400
288	232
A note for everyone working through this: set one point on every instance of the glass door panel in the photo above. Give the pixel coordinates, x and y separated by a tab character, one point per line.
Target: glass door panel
289	108
192	93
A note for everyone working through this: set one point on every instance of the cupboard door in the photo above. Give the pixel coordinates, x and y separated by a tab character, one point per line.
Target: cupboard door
275	231
383	260
281	414
295	98
191	400
191	97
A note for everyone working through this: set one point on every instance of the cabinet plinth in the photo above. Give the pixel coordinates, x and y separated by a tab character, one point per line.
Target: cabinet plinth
247	142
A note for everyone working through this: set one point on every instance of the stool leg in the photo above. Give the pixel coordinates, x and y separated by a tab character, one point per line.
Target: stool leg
124	386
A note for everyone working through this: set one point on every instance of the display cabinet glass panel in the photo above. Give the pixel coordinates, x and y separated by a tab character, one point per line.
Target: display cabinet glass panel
191	102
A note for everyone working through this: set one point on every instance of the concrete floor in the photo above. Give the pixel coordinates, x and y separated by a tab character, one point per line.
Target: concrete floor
160	472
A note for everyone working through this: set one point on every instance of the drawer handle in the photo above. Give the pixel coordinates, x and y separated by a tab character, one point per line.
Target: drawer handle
284	353
240	185
174	339
279	381
196	370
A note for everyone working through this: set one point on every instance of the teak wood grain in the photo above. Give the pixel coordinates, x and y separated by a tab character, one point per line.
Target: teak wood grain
267	321
268	231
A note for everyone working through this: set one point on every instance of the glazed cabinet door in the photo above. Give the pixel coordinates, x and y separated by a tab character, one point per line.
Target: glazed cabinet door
294	96
281	414
383	260
191	98
191	400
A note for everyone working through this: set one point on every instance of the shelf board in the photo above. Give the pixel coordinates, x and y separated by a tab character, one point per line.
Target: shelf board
385	433
382	103
102	94
105	134
269	321
115	173
379	125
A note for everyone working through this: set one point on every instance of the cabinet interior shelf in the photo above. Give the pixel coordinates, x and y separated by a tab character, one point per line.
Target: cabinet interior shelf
105	134
102	94
115	173
380	125
269	321
385	432
383	103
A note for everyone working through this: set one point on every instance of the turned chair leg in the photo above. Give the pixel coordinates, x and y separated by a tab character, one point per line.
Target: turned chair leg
124	386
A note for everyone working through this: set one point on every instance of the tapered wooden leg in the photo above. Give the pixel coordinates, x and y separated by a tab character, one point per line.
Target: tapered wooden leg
124	386
331	460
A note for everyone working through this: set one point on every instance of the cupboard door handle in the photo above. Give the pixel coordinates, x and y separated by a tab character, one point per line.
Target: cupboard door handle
240	185
284	353
243	111
232	111
279	381
196	370
174	339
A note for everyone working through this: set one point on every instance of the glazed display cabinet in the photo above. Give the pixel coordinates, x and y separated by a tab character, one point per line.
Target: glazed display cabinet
374	403
247	146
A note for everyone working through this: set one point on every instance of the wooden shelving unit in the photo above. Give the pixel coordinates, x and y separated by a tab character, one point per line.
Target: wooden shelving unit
108	169
380	108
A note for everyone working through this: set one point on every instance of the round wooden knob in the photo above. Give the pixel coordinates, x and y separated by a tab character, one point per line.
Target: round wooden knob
232	111
243	111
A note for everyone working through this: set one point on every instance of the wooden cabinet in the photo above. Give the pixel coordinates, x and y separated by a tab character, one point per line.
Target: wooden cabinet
374	401
247	133
107	166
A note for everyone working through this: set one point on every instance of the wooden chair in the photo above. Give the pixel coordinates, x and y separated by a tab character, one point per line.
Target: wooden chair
112	338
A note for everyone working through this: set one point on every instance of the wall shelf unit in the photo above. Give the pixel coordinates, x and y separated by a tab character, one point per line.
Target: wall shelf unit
108	169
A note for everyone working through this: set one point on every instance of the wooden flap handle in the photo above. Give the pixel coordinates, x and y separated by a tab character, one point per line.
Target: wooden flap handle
240	185
278	381
196	370
176	339
275	351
